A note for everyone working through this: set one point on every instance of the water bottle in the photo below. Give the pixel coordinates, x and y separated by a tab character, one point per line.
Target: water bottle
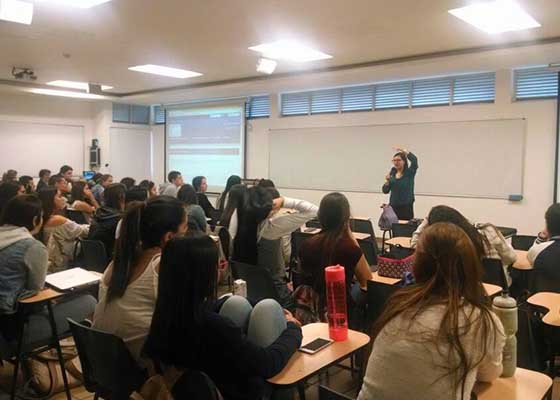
505	308
335	283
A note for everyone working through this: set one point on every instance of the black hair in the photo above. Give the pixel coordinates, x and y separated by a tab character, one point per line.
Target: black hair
273	192
9	176
403	157
103	178
47	196
114	196
146	184
44	172
54	179
187	195
552	218
23	211
143	227
27	182
236	199
197	181
172	175
136	193
187	288
256	209
8	190
232	180
265	183
64	169
77	192
128	182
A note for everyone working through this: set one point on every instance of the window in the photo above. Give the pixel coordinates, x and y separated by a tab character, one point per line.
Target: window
131	114
449	90
257	107
121	112
535	83
158	113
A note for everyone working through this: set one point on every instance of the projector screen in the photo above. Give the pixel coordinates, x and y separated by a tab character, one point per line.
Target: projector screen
206	140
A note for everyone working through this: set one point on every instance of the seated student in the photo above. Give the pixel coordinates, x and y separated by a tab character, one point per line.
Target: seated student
44	176
66	172
28	184
437	336
8	190
128	289
258	238
223	197
83	200
175	182
136	193
23	267
59	232
10	176
493	245
106	218
334	245
266	183
58	182
101	184
150	187
544	255
238	347
200	185
128	182
195	213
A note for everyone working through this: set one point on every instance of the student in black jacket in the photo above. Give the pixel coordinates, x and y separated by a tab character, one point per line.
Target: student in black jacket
107	217
200	185
187	332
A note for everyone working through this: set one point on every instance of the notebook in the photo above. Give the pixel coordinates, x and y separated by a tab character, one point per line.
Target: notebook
72	278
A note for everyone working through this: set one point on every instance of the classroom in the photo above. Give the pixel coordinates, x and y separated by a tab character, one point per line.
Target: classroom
280	200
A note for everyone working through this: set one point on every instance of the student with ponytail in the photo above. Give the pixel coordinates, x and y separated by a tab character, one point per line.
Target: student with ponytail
128	289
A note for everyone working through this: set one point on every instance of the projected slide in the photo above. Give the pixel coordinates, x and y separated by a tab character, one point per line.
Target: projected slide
206	141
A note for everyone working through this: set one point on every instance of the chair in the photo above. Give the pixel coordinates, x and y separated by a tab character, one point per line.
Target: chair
369	248
403	230
297	240
94	256
313	223
522	242
328	394
377	295
494	272
108	369
362	226
76	216
259	282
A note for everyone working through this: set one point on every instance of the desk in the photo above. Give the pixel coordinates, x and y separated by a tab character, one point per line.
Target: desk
522	262
302	366
357	235
524	385
491	290
383	279
400	240
550	301
43	295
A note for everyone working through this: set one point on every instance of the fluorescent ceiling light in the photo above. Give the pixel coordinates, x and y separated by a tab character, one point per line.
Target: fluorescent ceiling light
77	3
75	85
289	50
496	16
16	11
67	93
266	66
165	71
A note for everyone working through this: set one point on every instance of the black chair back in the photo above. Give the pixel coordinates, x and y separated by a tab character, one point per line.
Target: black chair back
313	223
259	282
108	369
377	295
369	248
403	230
362	226
522	242
94	256
328	394
494	272
76	216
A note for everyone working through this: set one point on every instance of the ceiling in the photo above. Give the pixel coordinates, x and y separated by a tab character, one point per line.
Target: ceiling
212	36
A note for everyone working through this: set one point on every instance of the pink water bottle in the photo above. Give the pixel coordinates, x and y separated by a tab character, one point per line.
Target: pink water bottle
335	283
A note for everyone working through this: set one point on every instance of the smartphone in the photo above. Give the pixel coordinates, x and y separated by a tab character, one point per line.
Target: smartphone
309	230
315	345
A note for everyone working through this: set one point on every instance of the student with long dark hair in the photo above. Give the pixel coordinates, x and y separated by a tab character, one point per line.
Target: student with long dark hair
83	200
150	187
59	232
236	198
487	239
128	182
8	190
44	176
400	182
200	185
23	267
334	245
195	213
439	335
223	198
128	288
258	238
106	218
238	347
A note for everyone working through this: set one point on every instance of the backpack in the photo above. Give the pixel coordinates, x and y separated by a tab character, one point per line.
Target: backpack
388	218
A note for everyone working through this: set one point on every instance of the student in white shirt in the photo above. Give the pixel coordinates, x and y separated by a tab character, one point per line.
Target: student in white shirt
437	336
175	182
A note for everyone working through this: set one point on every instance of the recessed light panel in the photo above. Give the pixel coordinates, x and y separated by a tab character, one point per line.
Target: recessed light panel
75	85
77	3
17	11
496	16
289	50
165	71
67	93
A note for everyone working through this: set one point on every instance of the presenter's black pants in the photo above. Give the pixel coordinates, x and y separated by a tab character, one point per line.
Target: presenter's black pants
404	212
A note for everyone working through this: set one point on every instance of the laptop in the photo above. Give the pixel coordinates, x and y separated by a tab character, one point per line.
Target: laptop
72	278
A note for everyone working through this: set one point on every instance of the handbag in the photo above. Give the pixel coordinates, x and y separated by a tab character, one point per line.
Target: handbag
395	263
388	218
46	374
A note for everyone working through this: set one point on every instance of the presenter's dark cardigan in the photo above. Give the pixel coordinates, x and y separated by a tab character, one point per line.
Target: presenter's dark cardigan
402	189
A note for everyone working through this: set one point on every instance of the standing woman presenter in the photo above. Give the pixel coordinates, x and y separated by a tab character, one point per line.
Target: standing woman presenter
400	182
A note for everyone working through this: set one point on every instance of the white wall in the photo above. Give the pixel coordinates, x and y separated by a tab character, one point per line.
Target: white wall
538	178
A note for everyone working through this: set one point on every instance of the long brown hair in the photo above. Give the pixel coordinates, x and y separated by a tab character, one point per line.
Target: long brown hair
448	272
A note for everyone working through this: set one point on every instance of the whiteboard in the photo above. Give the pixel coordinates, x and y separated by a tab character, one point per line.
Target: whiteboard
29	147
482	159
131	153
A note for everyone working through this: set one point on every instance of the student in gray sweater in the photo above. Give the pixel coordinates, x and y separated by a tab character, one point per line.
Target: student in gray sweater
437	336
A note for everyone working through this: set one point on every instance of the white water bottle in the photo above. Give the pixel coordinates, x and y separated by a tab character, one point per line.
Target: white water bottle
505	308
